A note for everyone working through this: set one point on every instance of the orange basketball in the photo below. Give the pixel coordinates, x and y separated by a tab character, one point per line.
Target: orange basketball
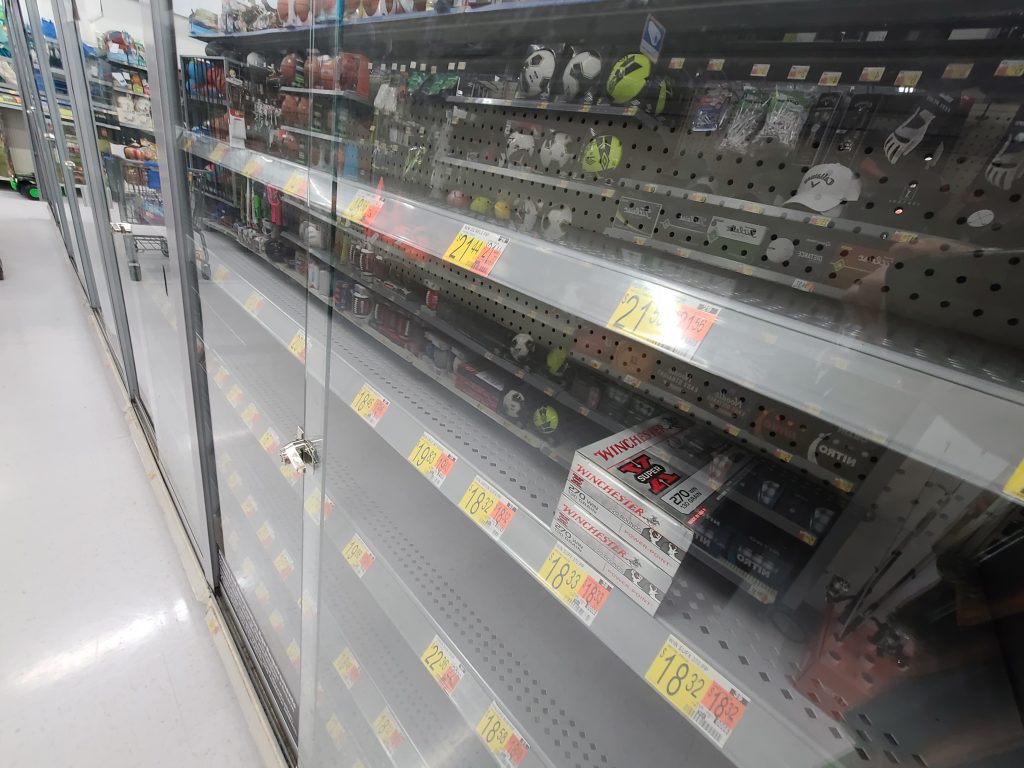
282	10
302	9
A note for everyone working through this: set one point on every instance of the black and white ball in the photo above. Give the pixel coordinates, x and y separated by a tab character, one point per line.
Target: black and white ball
520	147
556	223
525	214
557	150
581	75
538	69
522	347
512	403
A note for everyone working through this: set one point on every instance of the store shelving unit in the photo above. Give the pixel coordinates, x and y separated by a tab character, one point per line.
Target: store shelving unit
794	368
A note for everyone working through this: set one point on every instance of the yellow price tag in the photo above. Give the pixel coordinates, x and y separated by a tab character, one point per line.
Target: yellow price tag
261	592
908	78
665	318
697	690
830	78
443	665
234	480
716	65
252	167
871	74
1015	485
798	72
363	209
760	70
265	533
220	274
248	506
270	441
254	303
221	377
476	249
575	584
487	507
297	185
218	152
501	737
297	346
385	726
251	414
358	555
276	619
347	667
957	71
235	395
335	731
432	459
284	564
293	652
370	404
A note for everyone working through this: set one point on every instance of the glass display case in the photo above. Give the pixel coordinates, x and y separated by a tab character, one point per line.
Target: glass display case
597	383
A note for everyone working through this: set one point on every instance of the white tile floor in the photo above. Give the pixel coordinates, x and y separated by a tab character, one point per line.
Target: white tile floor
105	655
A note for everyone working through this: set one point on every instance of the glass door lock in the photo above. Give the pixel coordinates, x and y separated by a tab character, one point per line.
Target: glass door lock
301	454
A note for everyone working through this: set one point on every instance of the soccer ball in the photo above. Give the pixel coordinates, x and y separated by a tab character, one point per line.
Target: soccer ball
655	95
580	74
519	147
602	153
522	347
556	223
628	77
538	69
545	419
512	403
525	214
556	150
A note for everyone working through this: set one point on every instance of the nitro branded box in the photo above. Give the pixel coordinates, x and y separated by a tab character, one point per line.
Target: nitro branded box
609	556
653	477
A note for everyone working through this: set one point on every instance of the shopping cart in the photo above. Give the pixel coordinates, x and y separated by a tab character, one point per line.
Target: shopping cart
135	189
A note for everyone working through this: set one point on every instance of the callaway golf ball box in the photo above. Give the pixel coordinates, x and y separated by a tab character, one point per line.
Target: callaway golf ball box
609	555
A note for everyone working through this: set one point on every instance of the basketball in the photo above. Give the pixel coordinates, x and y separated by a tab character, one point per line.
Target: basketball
282	10
302	9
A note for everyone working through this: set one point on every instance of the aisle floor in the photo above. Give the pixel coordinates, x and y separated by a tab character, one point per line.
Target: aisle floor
106	658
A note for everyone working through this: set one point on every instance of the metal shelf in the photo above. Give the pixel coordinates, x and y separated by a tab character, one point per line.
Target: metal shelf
937	414
725	640
347	95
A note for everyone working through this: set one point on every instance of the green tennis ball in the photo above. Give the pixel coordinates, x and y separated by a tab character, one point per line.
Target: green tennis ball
545	419
627	77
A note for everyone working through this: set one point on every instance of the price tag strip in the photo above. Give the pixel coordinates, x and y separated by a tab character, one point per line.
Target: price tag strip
664	318
370	404
385	726
502	738
487	507
443	665
432	459
358	555
476	249
697	690
576	584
